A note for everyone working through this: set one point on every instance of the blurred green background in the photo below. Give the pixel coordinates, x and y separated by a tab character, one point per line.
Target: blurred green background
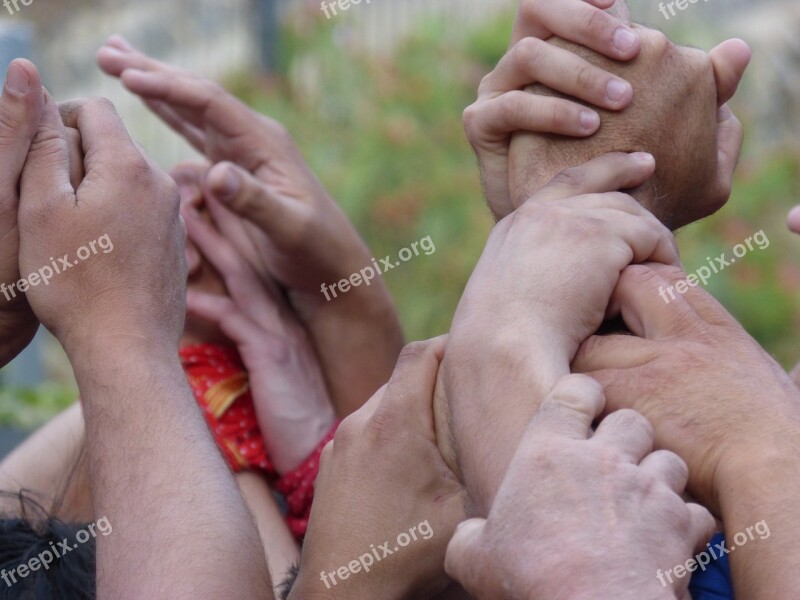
383	132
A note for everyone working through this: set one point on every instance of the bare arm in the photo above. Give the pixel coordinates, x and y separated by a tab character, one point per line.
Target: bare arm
181	528
51	465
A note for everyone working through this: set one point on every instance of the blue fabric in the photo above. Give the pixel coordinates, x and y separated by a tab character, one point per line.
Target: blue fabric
715	583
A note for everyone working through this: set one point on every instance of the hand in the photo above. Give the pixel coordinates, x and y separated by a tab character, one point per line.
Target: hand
503	108
387	484
292	405
585	23
119	231
20	112
731	403
672	85
599	511
540	289
292	230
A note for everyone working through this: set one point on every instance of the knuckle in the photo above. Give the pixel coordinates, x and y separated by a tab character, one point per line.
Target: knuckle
629	420
413	351
595	20
527	52
470	118
572	178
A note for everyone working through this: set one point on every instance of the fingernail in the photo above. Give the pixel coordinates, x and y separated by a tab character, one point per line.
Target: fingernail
17	80
229	186
643	156
617	90
624	39
590	120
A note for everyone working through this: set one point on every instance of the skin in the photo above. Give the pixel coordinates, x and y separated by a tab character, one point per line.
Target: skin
558	256
20	109
381	476
287	219
607	494
291	400
744	461
122	341
502	108
672	85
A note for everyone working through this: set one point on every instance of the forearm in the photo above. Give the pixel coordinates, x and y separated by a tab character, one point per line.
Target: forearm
486	394
760	501
177	514
358	341
51	465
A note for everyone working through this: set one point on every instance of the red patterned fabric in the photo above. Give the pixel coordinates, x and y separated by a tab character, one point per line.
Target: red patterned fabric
222	390
298	488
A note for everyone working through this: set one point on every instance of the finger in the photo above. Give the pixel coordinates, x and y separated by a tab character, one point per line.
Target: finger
667	467
410	388
613	352
193	134
649	303
730	136
535	61
730	60
607	173
104	138
118	54
223	313
702	525
460	560
47	169
578	22
248	197
76	172
681	301
20	112
628	432
495	119
568	411
794	220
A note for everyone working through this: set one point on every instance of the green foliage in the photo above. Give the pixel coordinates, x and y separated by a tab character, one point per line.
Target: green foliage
27	408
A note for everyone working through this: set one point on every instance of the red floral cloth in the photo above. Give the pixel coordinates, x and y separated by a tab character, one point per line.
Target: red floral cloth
222	390
298	488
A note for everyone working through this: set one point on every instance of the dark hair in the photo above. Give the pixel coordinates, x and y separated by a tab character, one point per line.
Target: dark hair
33	535
286	585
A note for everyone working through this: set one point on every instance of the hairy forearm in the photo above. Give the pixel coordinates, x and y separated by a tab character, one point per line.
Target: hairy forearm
177	514
762	494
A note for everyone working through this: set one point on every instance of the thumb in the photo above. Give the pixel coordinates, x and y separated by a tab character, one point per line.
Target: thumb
461	562
730	59
46	178
249	198
20	113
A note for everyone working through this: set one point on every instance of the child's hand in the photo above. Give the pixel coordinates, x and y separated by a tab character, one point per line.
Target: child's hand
292	404
503	107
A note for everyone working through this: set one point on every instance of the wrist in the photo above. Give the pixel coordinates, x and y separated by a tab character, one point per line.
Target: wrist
755	474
